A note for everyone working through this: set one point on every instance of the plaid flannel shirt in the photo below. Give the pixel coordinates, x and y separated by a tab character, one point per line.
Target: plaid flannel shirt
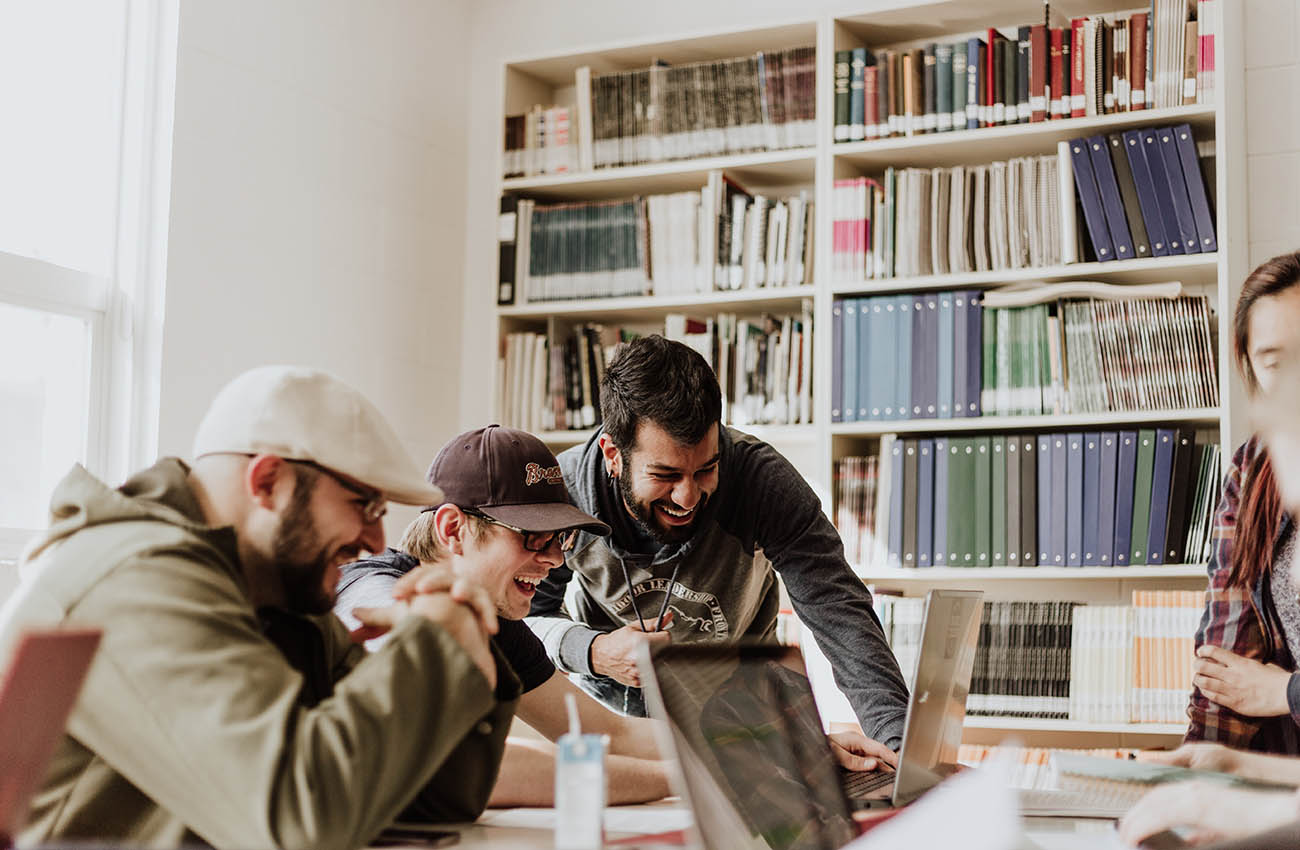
1244	621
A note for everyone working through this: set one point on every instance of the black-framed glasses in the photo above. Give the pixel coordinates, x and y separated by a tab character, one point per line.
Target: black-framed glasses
535	541
373	505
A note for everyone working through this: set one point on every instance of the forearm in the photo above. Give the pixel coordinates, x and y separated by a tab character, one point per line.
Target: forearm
527	777
568	644
635	737
1268	768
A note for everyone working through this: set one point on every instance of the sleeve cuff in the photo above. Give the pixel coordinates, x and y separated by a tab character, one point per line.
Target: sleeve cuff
1293	697
575	650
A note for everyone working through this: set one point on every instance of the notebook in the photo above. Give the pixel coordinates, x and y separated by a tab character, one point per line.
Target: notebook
755	766
37	693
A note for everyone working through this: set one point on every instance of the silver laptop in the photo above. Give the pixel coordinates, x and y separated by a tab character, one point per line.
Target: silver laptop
755	765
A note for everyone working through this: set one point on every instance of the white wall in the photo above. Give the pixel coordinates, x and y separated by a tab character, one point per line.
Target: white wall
508	29
316	212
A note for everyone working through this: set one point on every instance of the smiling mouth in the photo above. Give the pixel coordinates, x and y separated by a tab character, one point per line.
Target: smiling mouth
527	585
675	515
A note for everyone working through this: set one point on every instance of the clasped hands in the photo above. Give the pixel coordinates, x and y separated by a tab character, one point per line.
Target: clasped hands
461	607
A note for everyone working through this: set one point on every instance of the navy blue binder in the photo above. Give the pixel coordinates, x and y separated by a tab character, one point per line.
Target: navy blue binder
939	554
1161	474
1044	499
868	372
1112	205
1109	453
909	502
1178	190
849	399
1090	198
1146	191
1202	215
974	351
903	362
837	360
1060	499
896	504
1074	500
1091	483
1164	198
959	361
974	69
1125	469
924	501
944	362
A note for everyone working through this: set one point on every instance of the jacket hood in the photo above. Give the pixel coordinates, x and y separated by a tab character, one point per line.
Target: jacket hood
161	492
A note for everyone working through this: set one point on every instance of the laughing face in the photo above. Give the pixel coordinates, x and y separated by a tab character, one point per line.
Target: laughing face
496	559
665	485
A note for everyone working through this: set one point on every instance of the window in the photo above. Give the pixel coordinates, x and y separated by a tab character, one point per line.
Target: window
87	89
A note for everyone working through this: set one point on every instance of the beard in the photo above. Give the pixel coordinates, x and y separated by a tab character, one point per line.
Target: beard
299	559
643	513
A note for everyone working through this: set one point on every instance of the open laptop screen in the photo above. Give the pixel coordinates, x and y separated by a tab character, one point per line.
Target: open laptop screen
747	731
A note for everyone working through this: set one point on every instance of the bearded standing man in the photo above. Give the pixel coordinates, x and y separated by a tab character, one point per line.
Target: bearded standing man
702	520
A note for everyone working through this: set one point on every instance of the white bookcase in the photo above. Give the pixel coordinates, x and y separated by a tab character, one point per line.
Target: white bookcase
815	448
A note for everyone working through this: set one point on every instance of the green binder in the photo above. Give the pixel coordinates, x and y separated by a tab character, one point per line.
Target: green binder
1146	458
961	502
982	507
998	501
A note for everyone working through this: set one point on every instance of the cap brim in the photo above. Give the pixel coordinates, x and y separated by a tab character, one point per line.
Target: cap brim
413	494
546	516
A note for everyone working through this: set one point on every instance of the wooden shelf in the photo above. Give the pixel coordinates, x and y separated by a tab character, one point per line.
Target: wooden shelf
1036	724
647	306
1186	268
988	144
763	169
942	574
1069	421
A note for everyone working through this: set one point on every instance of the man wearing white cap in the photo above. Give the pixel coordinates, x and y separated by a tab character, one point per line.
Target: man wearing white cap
227	705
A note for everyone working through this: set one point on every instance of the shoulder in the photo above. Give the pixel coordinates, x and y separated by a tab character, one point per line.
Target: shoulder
392	563
755	472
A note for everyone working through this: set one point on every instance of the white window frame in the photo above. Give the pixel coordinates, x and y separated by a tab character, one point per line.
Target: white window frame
124	312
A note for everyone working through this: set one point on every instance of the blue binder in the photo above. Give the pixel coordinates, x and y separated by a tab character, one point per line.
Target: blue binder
869	374
1090	198
974	351
849	398
1060	498
947	338
1109	452
902	351
1178	190
1161	474
959	361
974	68
924	501
1044	499
939	556
896	504
1164	198
837	360
1202	215
1091	481
1151	217
880	393
1112	204
1125	471
930	357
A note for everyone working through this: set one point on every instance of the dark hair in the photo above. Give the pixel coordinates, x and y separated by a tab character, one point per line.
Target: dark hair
662	381
1259	514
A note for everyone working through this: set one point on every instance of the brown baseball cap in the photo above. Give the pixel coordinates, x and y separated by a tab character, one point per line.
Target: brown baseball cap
510	476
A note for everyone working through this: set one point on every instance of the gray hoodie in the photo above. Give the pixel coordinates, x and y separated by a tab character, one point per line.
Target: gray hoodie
762	518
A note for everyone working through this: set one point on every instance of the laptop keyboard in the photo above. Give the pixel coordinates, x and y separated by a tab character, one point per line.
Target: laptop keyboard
859	783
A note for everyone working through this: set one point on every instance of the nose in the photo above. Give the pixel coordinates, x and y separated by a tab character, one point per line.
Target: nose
552	556
372	536
686	494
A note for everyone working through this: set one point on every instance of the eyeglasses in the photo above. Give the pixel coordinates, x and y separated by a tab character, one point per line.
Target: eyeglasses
373	504
536	541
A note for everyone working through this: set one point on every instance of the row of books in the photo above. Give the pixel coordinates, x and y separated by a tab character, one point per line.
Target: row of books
1065	661
917	221
1143	193
942	355
1133	664
764	368
719	237
763	101
1094	66
1110	498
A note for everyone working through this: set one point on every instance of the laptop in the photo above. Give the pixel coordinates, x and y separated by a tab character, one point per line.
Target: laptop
37	693
755	765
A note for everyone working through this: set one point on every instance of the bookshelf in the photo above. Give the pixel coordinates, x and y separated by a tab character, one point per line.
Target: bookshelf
816	447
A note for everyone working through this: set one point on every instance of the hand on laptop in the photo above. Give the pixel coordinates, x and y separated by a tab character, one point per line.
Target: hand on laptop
855	751
1210	810
614	654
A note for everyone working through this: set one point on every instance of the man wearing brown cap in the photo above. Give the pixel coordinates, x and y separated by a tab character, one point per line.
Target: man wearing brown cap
505	521
227	705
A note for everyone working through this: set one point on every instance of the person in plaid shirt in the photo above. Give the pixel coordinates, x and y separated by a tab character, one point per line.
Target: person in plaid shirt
1247	694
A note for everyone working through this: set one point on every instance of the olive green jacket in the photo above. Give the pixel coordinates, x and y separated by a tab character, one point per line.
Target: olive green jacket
203	719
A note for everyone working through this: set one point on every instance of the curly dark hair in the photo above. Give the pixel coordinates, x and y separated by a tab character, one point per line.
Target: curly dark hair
661	381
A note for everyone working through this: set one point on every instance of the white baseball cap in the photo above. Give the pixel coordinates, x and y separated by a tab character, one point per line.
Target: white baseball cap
304	414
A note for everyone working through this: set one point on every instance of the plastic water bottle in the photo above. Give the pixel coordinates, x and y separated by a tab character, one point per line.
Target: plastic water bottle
579	786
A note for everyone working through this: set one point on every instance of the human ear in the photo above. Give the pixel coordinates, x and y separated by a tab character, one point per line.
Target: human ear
613	457
452	528
261	477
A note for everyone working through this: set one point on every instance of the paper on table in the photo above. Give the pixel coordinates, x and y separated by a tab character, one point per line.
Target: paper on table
944	817
631	819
